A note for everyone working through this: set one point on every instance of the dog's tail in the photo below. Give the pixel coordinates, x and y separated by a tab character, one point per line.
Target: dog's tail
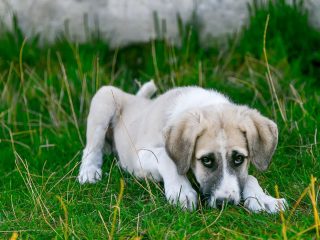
147	90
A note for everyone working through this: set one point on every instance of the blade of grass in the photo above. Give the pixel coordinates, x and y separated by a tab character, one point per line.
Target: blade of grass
65	79
269	76
116	210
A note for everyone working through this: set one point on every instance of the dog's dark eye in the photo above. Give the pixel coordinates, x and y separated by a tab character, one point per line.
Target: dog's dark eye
237	158
207	161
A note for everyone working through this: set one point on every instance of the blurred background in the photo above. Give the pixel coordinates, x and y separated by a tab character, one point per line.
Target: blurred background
122	22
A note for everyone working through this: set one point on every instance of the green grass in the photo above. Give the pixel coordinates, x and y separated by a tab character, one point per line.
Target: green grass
41	139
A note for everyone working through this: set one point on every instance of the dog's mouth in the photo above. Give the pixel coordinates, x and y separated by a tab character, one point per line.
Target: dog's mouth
205	196
211	195
221	202
212	201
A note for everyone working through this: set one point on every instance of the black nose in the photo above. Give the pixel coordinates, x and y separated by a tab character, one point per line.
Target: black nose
222	201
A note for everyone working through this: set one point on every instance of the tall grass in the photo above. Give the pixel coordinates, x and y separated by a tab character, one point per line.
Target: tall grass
44	101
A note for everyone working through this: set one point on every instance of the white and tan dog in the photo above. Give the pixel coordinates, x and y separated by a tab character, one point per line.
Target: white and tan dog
184	129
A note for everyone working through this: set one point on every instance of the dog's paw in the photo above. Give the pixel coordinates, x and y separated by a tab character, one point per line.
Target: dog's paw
265	204
89	174
186	197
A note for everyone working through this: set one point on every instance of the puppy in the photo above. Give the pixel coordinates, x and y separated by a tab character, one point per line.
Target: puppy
184	129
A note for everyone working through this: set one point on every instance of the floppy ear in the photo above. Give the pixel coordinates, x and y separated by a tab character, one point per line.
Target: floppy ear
180	137
262	138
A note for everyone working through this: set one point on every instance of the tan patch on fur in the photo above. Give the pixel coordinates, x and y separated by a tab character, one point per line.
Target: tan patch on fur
227	120
181	137
244	128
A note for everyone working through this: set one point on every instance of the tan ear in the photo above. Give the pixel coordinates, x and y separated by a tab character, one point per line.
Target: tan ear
180	137
262	138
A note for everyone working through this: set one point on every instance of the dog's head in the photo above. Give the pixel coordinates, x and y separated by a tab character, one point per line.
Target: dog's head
218	145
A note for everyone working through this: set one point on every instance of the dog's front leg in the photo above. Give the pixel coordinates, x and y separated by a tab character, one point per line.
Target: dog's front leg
178	189
256	200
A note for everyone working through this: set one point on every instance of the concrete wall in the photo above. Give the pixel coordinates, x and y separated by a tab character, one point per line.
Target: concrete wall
122	22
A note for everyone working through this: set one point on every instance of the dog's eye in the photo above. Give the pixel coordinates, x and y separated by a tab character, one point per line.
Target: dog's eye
207	161
237	158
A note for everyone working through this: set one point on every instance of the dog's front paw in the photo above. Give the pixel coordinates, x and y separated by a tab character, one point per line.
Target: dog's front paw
265	203
89	174
184	196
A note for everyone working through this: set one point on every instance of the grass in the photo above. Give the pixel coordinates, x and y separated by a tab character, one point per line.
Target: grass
44	100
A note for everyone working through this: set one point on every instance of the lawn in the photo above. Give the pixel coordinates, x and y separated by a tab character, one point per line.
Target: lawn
44	100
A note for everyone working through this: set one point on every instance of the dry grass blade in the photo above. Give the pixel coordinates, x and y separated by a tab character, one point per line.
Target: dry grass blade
313	198
307	230
116	209
304	193
34	193
65	79
269	76
155	64
20	61
22	80
14	236
283	220
240	234
211	224
66	223
68	173
104	223
113	68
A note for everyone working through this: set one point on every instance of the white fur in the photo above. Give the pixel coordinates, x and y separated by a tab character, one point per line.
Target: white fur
121	22
229	186
147	90
257	200
177	187
195	97
138	124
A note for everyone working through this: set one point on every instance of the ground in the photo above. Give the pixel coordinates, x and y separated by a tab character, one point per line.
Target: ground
44	100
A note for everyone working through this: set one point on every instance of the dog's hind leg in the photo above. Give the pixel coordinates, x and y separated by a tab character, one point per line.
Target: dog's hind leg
147	90
105	106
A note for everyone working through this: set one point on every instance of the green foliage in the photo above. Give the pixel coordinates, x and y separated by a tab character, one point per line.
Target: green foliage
290	38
